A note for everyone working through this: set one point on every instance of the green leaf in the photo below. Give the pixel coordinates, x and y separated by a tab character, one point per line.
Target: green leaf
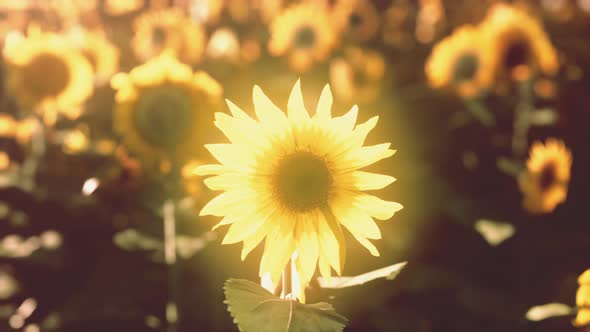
494	232
543	117
388	272
254	309
542	312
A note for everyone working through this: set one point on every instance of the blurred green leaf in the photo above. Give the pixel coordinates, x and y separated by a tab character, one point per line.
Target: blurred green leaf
256	310
548	310
543	117
494	232
388	272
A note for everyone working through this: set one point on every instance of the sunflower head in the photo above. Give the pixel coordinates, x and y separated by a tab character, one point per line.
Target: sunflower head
98	50
583	300
459	61
518	45
357	19
46	71
302	32
116	8
294	181
545	182
159	30
358	75
158	106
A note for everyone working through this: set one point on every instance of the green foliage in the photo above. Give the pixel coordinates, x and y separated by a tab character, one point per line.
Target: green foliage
254	309
388	272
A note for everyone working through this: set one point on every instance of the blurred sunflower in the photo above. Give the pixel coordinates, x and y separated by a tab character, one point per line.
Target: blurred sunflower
205	11
518	45
358	75
99	51
304	34
459	61
46	72
223	45
244	11
357	19
121	7
12	19
583	300
159	30
545	182
158	105
294	180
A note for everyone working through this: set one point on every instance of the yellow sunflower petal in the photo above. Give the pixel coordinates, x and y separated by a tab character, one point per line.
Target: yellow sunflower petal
347	121
323	112
209	170
324	266
220	205
295	107
254	240
376	207
307	249
367	244
362	130
367	155
279	248
370	181
248	224
226	181
265	109
240	131
359	223
231	155
237	112
331	240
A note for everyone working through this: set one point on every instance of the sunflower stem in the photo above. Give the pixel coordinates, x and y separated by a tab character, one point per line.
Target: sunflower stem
480	112
522	117
38	147
170	259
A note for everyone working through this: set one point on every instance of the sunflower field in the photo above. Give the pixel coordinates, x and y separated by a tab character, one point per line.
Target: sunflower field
294	165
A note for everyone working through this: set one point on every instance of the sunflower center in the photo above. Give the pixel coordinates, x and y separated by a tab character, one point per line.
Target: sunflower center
158	35
547	176
164	116
302	181
305	37
516	54
46	75
361	77
465	68
355	20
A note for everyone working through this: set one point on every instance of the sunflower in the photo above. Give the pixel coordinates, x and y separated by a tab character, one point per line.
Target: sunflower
223	45
545	182
158	106
244	11
115	8
358	75
294	180
206	11
158	30
459	61
518	45
357	19
46	72
302	32
583	300
98	50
